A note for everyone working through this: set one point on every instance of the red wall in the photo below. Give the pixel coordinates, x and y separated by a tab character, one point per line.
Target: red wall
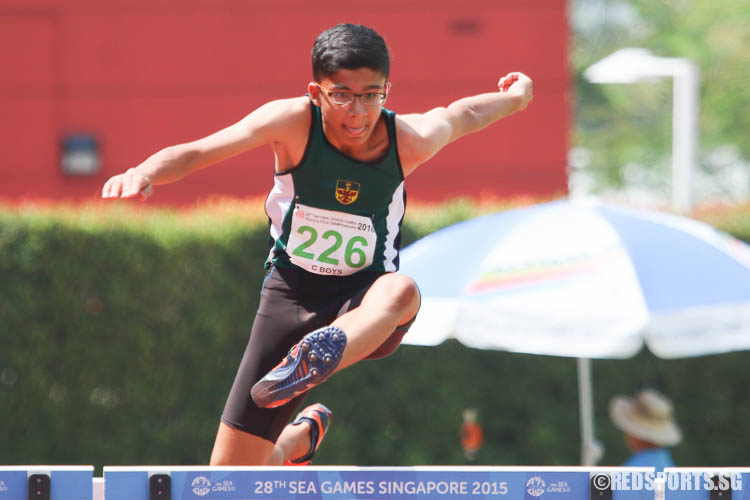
144	74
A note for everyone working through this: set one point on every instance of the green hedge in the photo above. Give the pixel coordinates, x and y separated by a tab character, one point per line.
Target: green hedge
121	329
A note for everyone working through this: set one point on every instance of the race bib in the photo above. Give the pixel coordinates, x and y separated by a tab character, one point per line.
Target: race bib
329	242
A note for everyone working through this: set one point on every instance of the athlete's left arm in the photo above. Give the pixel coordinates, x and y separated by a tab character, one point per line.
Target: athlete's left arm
421	136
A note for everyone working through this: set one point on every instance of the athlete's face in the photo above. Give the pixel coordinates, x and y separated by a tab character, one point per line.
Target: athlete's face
350	125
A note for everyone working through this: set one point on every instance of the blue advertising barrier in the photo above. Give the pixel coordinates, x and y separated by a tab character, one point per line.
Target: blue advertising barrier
706	483
46	482
374	483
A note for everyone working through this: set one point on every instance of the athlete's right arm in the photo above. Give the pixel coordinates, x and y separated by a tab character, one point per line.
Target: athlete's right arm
269	123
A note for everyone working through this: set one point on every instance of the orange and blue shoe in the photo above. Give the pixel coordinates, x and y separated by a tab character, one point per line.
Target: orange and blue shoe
319	418
310	362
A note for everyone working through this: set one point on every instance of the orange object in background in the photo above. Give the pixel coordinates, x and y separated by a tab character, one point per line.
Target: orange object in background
472	436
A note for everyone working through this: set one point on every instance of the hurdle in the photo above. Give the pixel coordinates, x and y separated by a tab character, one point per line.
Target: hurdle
706	483
46	482
371	483
49	482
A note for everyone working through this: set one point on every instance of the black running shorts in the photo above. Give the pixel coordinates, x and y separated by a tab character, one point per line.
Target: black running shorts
293	302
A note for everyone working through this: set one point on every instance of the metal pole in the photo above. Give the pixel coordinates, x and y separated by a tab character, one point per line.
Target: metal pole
591	449
631	65
685	105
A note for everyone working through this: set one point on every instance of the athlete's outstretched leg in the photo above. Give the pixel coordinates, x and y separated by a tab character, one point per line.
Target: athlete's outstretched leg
392	300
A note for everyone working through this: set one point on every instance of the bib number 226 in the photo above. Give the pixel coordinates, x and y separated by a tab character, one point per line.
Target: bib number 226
354	256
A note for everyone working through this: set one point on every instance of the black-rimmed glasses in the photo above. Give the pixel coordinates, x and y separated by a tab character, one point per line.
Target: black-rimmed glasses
344	98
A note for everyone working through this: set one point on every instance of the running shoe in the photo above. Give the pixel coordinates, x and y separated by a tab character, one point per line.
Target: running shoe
319	418
310	362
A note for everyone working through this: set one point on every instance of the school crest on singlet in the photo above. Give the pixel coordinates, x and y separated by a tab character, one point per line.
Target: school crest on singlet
347	191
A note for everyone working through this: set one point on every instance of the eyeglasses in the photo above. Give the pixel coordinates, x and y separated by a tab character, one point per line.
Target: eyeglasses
343	98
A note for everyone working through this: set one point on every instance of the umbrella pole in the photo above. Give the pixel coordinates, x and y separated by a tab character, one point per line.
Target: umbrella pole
591	449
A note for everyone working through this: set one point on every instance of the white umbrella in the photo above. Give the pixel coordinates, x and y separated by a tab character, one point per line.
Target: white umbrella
582	279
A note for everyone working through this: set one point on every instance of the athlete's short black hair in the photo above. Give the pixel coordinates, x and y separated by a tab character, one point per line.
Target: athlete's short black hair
349	46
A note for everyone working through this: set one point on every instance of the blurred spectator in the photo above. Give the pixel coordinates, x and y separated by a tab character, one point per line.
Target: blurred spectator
649	428
471	434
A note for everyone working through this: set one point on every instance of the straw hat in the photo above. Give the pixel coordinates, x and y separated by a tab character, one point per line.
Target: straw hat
648	417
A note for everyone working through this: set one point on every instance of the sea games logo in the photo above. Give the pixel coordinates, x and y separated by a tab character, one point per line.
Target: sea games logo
558	487
201	486
535	486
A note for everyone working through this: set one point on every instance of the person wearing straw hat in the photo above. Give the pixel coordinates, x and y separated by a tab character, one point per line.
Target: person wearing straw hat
648	424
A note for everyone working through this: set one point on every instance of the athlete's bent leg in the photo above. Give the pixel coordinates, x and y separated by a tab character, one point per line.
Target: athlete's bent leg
392	300
393	342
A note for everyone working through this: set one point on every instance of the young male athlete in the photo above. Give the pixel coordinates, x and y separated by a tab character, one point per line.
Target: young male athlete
331	296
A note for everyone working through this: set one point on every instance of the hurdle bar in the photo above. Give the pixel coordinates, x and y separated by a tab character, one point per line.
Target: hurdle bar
46	482
706	483
371	483
50	482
